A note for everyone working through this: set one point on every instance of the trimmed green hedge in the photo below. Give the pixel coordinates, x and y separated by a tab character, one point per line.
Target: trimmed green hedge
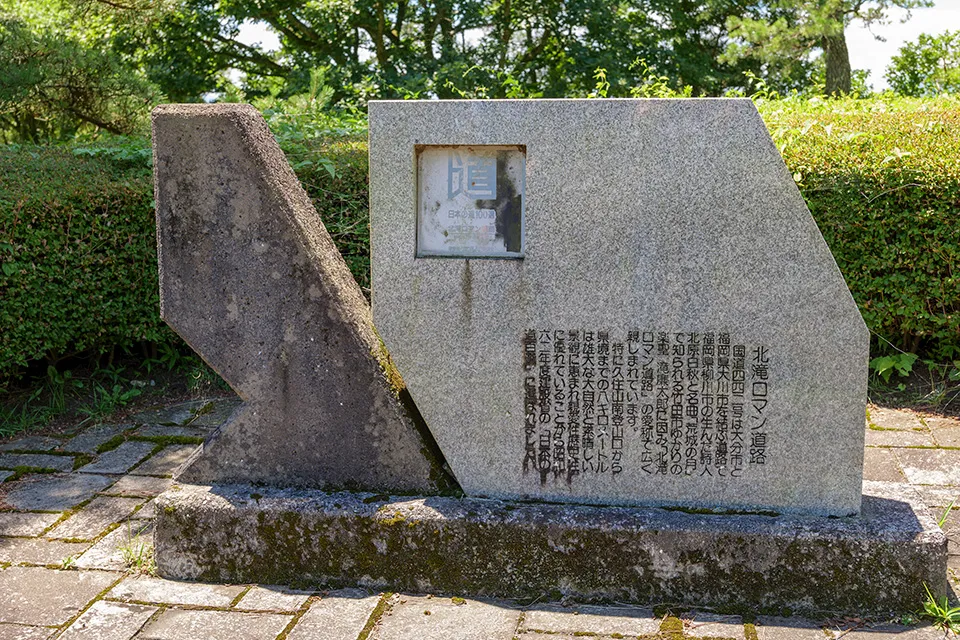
77	242
77	255
882	179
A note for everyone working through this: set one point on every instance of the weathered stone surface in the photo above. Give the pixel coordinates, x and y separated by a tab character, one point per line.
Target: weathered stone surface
146	589
39	460
875	562
930	466
778	628
109	621
175	415
5	474
673	216
708	625
107	553
626	621
94	517
23	632
341	614
215	413
250	278
272	598
143	486
894	438
88	440
31	443
894	632
214	625
166	461
38	550
121	459
881	465
34	595
162	431
441	618
25	524
54	492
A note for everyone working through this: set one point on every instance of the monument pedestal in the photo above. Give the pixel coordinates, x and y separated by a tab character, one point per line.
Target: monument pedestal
877	562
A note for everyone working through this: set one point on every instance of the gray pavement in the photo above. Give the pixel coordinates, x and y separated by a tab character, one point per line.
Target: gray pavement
76	554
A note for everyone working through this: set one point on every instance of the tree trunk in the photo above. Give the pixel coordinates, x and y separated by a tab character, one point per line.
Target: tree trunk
838	63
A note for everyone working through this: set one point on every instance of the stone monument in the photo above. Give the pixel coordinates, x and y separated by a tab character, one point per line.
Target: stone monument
616	302
622	304
251	280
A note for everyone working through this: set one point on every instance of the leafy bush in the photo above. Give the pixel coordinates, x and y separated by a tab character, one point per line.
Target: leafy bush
882	178
77	254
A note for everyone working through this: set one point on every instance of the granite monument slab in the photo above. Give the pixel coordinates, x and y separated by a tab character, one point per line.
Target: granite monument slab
616	302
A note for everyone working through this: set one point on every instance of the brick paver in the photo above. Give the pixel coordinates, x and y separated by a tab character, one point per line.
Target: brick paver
93	592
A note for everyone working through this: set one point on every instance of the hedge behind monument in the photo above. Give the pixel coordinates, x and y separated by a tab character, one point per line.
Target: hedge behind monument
78	254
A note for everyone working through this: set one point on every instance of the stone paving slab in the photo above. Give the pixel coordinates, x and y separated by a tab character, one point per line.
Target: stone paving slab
158	590
930	466
895	419
39	550
272	598
708	625
889	438
109	621
176	624
440	618
340	614
166	461
161	431
31	443
947	436
628	621
37	460
139	486
175	415
215	413
23	632
107	552
25	524
38	596
121	459
92	519
892	632
146	512
776	628
54	492
92	437
882	465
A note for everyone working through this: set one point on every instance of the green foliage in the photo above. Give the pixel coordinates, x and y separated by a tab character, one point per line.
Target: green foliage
902	363
881	178
77	253
54	85
928	67
941	613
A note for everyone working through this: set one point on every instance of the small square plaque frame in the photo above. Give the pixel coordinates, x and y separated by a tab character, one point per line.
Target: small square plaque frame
470	201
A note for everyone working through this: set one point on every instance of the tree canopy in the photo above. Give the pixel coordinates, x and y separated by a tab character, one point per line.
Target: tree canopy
73	65
930	66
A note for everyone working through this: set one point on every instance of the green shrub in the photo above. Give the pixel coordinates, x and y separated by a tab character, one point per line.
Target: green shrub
77	254
882	179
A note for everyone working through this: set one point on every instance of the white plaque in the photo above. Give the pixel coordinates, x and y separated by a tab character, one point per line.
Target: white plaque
470	201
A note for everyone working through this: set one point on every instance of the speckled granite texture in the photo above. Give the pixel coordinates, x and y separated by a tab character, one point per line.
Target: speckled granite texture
662	217
877	562
251	280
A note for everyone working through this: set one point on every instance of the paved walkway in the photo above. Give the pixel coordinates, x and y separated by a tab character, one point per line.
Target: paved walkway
75	553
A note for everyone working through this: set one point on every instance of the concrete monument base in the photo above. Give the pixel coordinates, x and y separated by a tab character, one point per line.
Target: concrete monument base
877	562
